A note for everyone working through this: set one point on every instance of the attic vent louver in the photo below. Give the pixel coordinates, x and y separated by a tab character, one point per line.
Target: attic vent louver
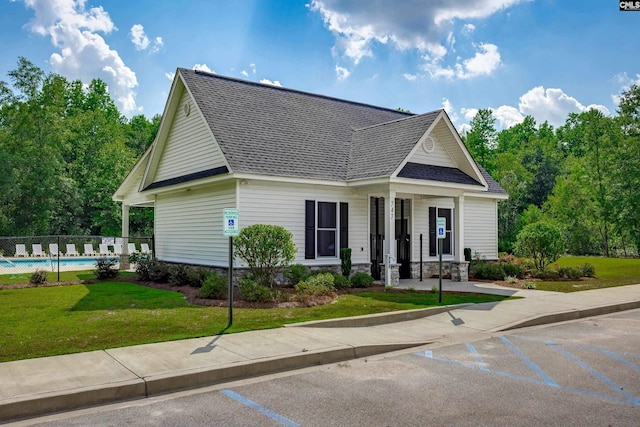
428	144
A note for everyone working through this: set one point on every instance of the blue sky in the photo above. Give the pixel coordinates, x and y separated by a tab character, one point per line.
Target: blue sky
545	58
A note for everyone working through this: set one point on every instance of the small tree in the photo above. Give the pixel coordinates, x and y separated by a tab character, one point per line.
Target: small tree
542	242
265	248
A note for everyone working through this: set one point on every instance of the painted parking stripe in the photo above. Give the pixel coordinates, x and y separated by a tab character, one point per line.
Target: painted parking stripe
429	355
595	373
606	352
269	413
476	356
546	378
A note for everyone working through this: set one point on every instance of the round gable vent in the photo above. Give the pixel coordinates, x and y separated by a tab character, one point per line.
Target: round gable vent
428	144
187	108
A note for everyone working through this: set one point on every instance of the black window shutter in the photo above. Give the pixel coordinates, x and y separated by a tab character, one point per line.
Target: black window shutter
344	225
310	229
432	231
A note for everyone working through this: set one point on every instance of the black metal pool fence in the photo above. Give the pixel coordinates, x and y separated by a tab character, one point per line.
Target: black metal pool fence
22	256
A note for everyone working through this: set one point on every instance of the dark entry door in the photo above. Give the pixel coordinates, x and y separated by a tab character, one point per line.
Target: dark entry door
403	242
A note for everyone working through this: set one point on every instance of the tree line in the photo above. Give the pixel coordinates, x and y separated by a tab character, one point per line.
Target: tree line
64	149
582	177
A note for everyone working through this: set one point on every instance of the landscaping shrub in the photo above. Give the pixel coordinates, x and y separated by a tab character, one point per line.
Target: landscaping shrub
179	274
588	270
296	273
158	272
341	282
315	286
265	248
38	277
528	285
137	257
143	268
215	287
514	270
196	276
361	280
572	273
486	271
345	261
105	268
467	254
542	242
322	271
252	291
549	274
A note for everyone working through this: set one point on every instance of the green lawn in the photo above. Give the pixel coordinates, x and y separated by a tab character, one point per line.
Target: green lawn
46	321
609	272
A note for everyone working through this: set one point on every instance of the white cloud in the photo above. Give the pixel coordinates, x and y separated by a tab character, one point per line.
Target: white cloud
551	105
142	42
272	83
138	37
170	76
83	53
410	77
244	73
203	67
451	111
418	24
507	116
342	73
625	82
484	62
253	68
468	28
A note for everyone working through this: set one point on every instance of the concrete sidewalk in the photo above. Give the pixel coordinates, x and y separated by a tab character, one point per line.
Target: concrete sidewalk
44	385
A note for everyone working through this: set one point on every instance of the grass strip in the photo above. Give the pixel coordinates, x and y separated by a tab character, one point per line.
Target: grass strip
48	321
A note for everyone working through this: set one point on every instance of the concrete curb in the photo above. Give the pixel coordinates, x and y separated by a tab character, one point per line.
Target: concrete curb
182	380
71	399
378	318
569	315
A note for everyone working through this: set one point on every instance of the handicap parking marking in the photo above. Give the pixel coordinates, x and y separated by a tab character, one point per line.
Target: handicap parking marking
250	403
480	365
620	358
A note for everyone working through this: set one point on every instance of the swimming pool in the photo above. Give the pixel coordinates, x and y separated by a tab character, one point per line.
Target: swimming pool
31	264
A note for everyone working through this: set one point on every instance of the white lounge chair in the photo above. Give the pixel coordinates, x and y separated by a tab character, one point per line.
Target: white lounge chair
37	250
21	250
131	247
88	249
71	250
144	248
117	249
104	249
54	250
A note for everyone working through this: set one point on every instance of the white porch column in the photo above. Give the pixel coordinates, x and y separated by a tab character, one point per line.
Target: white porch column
389	234
125	229
458	228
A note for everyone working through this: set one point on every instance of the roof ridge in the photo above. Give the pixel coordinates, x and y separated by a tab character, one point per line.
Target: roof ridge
287	89
415	116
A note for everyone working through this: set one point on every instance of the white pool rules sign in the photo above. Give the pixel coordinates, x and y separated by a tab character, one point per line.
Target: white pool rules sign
230	222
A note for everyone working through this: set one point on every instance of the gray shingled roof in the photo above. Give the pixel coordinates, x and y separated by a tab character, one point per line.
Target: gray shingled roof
436	173
292	133
270	130
378	150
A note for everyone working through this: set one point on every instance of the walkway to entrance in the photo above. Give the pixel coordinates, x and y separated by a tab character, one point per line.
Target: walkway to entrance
470	286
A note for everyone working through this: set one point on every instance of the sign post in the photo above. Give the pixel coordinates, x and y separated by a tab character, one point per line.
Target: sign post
230	227
441	225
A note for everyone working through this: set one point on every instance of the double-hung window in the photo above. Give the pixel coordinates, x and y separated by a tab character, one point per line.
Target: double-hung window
326	228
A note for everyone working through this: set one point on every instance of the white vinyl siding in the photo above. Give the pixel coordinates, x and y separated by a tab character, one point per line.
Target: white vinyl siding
284	205
438	157
188	225
190	146
481	227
